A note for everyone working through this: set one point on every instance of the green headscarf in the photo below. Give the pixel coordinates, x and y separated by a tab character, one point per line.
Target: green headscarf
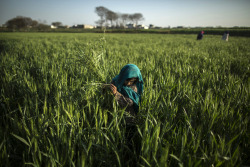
130	71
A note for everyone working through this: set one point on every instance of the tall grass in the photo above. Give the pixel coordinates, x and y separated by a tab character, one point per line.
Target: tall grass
194	110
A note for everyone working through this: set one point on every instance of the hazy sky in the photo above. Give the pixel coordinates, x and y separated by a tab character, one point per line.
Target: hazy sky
158	12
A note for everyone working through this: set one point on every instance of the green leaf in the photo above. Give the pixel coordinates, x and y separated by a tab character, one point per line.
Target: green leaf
145	160
21	139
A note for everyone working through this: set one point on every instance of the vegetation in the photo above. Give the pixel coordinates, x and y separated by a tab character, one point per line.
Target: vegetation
244	32
114	23
194	110
21	23
116	19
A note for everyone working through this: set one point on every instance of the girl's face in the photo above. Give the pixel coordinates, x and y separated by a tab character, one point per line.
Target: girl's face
130	81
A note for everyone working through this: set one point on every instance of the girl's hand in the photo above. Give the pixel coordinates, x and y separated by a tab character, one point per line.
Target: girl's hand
113	89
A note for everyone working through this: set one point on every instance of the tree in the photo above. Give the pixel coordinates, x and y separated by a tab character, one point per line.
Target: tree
112	16
100	22
57	24
137	17
124	18
102	13
42	27
107	16
34	23
131	18
20	22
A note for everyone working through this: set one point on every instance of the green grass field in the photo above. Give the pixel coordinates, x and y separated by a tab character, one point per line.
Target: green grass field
194	111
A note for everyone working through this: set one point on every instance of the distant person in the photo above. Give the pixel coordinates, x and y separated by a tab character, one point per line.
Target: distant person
225	36
200	35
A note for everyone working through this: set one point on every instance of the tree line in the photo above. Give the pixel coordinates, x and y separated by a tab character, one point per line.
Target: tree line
108	18
113	19
21	22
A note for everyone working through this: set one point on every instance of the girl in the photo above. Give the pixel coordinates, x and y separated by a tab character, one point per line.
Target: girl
127	87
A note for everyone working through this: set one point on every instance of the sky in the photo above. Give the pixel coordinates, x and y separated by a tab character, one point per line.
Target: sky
163	13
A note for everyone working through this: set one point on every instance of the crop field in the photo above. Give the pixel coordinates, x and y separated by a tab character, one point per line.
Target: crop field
195	108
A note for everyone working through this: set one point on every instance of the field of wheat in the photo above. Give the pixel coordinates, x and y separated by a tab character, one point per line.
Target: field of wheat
194	110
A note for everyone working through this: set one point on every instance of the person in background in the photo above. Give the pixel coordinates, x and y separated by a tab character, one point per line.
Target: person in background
225	36
200	35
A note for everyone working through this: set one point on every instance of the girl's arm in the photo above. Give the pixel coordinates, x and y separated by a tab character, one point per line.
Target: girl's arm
123	101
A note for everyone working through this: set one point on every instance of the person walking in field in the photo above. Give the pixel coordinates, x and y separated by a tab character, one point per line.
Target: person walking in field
200	35
225	36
